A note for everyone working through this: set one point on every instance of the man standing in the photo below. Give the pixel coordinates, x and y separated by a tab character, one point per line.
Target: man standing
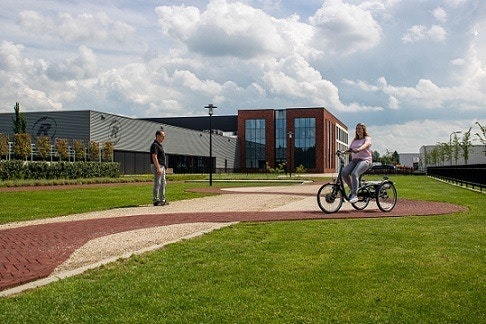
158	166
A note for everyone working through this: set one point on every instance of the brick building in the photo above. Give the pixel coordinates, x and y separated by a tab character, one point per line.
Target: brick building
293	137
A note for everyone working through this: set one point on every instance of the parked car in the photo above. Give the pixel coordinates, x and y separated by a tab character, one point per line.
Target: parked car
382	168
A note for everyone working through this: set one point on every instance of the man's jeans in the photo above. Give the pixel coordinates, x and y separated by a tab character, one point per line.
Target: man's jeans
352	172
159	184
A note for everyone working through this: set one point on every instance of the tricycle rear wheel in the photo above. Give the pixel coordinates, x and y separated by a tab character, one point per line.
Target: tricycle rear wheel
386	196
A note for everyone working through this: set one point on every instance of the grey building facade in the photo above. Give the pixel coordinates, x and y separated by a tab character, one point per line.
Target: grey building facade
187	150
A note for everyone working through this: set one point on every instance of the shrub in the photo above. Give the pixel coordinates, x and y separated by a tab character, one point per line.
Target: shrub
21	145
16	170
43	146
281	168
35	170
11	170
300	169
268	168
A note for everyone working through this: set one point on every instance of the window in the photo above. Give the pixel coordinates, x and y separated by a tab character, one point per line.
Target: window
255	143
305	142
280	136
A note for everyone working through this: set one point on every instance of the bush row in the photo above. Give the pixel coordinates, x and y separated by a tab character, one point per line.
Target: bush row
20	170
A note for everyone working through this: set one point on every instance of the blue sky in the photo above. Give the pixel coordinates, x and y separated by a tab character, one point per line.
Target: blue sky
413	71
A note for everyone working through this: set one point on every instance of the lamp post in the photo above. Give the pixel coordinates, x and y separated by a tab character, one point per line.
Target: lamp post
290	134
210	108
450	141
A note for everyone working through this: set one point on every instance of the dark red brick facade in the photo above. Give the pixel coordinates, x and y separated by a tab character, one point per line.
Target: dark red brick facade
326	144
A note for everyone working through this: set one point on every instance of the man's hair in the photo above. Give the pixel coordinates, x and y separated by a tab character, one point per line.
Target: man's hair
159	132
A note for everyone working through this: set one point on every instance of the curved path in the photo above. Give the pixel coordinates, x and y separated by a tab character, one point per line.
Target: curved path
32	250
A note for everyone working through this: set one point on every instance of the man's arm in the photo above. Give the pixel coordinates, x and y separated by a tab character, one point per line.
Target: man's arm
156	163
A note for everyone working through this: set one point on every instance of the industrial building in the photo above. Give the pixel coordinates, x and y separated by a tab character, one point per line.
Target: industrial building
247	142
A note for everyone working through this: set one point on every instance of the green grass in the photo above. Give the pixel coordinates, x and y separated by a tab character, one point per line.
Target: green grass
407	270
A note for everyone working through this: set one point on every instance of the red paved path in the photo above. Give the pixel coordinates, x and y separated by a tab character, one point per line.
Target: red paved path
33	252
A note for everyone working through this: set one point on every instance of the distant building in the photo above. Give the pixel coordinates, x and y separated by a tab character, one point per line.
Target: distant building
477	155
307	137
187	149
410	160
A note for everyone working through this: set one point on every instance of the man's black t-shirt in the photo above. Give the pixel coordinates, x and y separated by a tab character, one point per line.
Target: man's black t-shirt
157	148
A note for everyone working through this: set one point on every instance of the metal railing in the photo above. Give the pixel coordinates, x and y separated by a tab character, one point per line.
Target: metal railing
53	153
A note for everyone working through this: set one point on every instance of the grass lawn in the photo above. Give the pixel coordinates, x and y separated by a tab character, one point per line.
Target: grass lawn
409	269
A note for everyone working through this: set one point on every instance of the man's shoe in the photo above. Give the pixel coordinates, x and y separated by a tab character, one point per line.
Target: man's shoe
164	203
157	203
353	199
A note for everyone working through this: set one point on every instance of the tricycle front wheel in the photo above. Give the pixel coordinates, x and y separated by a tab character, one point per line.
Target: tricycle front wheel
329	198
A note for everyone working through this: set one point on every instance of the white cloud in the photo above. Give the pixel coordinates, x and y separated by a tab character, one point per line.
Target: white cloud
426	94
10	55
83	28
343	27
225	29
420	33
440	14
81	67
178	21
392	136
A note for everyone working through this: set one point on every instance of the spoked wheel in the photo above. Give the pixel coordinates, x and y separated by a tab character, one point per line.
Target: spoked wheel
363	199
386	196
329	198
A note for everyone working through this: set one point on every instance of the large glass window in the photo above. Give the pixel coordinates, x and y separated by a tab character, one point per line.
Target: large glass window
305	142
280	136
255	143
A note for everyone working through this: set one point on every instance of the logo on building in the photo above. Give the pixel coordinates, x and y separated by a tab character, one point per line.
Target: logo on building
114	131
45	126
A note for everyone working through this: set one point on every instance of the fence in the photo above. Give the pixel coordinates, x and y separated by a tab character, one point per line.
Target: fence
473	176
53	154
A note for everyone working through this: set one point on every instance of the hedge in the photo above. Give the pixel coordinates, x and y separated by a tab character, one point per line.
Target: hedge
20	170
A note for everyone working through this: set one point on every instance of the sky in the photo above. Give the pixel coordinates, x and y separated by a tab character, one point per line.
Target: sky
413	71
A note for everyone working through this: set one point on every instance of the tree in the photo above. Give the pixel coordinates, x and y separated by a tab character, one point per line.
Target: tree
396	158
62	148
79	150
447	147
466	145
456	146
43	146
108	149
3	145
21	146
482	137
441	152
434	156
94	151
19	122
376	156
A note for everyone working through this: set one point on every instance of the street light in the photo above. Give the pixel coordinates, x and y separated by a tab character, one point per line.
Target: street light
290	150
210	108
450	141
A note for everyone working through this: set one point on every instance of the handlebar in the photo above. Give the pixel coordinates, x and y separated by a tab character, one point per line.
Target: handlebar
339	152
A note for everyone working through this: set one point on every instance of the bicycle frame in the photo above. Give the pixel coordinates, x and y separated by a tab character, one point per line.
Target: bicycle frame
339	181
